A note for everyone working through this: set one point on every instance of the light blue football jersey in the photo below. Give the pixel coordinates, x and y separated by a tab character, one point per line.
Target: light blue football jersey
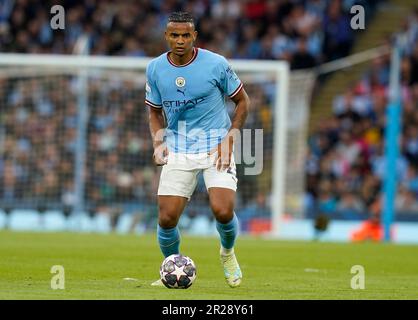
193	99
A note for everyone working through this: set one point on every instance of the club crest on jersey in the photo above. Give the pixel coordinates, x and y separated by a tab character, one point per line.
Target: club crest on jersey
180	82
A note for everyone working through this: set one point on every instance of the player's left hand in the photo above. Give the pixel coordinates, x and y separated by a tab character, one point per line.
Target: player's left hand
223	157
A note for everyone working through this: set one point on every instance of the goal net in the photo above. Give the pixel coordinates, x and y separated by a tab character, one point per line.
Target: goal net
74	138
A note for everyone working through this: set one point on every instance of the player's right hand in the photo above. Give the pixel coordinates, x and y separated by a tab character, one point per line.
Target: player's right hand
160	155
223	158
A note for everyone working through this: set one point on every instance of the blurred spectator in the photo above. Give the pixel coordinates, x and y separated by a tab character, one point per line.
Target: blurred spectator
406	201
338	35
258	208
327	202
371	229
302	59
350	206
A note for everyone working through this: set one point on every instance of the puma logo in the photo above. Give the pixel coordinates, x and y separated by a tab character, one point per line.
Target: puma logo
183	92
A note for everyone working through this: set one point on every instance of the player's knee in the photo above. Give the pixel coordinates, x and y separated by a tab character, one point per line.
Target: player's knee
223	213
167	219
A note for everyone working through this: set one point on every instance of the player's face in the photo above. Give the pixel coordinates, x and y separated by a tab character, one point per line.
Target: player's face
180	37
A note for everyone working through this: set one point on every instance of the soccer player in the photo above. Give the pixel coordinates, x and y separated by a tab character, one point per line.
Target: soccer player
192	133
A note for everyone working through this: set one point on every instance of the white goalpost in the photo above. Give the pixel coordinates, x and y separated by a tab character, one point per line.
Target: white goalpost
98	133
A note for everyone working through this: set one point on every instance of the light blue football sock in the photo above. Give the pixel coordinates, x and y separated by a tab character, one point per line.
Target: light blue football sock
228	232
169	240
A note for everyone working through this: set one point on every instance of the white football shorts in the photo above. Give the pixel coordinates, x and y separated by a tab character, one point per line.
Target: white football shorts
179	176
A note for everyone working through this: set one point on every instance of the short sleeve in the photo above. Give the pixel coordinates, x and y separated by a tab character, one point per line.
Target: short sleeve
229	81
152	95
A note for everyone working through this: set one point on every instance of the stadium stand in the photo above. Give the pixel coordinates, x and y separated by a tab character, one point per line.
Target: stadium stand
291	30
344	164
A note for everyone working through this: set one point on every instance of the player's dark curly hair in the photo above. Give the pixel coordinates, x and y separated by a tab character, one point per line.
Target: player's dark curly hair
181	17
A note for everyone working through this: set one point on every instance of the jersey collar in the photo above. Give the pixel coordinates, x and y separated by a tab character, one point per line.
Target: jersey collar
195	51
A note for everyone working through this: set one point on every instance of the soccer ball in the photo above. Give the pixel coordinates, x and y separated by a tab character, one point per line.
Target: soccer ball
178	271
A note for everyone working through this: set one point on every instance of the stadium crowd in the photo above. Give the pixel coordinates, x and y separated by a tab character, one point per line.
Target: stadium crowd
38	115
303	32
346	163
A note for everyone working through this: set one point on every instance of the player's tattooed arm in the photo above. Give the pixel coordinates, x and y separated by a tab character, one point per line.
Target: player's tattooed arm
242	104
157	128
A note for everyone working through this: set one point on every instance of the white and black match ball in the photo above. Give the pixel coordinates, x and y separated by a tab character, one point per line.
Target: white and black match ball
178	271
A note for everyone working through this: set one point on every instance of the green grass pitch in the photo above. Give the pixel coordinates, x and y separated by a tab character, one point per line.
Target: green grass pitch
96	265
